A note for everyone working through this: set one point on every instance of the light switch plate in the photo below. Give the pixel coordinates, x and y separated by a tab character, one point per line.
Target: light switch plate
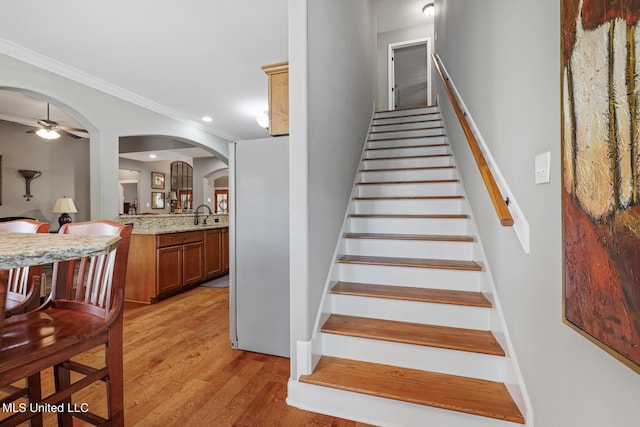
542	168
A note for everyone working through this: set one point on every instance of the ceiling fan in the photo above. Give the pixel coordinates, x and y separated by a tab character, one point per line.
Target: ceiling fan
48	129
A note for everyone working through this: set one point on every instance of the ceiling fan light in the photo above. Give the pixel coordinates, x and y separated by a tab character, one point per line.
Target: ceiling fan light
47	133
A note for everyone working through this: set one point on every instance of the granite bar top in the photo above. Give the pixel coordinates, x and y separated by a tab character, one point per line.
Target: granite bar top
175	228
24	249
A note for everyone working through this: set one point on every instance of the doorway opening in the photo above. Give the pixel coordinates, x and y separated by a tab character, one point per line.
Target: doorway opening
410	74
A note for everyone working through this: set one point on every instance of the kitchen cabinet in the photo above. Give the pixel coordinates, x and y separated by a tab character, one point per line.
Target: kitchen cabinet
162	265
213	249
278	98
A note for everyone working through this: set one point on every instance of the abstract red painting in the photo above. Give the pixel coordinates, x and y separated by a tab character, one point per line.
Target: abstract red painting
601	173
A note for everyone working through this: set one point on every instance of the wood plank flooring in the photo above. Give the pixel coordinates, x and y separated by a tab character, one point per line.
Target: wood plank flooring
180	370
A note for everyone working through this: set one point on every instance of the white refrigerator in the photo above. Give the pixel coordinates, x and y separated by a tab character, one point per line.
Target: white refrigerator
259	245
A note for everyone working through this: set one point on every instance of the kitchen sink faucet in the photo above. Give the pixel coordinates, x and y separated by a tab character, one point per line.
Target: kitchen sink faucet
195	221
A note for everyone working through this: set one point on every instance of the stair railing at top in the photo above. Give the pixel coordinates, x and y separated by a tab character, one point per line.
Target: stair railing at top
499	203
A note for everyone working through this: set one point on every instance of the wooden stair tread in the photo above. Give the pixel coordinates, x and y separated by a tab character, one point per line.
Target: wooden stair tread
408	293
426	156
409	216
407	146
407	169
405	130
472	396
461	339
446	264
421	237
421	181
407	137
406	197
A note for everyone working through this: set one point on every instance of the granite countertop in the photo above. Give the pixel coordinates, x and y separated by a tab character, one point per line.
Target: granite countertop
23	249
175	228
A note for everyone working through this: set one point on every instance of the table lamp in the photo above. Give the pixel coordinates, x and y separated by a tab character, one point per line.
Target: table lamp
64	206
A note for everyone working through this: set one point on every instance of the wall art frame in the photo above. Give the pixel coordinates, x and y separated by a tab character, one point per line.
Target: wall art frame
157	180
600	125
157	200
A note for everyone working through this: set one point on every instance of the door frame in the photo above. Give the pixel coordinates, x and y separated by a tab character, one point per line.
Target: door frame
391	70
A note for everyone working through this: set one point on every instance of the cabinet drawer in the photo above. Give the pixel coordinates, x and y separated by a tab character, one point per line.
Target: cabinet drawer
179	238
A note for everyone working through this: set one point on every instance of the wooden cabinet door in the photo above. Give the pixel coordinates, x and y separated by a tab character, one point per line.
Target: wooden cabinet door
213	253
225	250
169	269
192	268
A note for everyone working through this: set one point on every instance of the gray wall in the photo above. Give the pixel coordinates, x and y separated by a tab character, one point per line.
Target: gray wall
327	135
64	164
504	59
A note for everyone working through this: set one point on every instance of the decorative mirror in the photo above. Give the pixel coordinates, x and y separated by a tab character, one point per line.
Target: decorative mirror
182	184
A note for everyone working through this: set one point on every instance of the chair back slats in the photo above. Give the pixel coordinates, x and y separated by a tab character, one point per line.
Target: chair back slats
23	290
18	281
95	278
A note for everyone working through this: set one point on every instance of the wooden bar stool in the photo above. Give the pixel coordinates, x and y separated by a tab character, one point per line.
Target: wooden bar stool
84	311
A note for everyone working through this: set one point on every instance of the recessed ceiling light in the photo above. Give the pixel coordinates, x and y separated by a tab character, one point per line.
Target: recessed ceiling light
207	119
152	156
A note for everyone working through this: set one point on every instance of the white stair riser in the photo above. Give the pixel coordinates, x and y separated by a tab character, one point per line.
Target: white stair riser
406	142
428	123
408	163
406	112
410	248
409	206
380	411
406	133
413	151
460	280
456	316
407	119
426	358
409	226
408	174
406	189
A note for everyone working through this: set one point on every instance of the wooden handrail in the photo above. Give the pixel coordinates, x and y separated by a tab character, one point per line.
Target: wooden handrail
498	201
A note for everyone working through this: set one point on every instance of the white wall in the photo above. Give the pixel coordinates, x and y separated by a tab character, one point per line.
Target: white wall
64	164
504	58
106	118
384	40
332	47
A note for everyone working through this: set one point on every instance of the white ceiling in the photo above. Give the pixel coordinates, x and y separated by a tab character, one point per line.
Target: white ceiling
187	58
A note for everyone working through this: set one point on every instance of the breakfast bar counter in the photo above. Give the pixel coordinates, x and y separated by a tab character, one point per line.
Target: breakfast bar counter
21	250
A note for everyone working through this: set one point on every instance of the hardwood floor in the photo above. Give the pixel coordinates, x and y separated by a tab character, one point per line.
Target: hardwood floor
180	370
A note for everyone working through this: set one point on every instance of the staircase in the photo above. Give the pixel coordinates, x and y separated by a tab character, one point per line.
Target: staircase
406	335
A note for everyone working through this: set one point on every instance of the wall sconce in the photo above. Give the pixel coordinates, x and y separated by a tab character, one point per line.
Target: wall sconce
64	206
429	10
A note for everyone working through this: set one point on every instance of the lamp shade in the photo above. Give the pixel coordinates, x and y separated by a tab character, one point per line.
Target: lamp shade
65	205
173	195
